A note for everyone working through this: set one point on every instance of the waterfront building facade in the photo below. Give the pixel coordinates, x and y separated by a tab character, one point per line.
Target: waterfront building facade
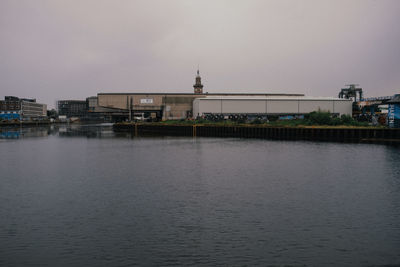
72	108
270	105
103	114
15	108
162	106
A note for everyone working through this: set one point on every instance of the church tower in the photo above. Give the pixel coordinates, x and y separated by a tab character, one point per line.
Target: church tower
198	87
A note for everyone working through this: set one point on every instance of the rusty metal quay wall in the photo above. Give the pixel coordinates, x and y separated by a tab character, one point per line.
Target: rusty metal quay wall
351	135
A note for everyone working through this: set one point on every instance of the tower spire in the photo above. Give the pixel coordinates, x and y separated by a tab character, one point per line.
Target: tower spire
198	87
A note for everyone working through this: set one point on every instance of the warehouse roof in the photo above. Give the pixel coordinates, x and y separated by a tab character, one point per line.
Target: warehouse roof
309	98
207	94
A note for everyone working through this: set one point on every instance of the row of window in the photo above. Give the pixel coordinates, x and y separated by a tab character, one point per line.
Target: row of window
9	112
25	111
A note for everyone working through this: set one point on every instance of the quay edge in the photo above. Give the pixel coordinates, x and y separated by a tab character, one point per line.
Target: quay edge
313	133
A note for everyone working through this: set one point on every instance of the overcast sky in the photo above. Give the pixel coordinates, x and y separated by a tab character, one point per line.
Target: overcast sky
54	49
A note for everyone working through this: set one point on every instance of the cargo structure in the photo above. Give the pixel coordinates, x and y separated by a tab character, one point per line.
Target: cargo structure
270	105
394	112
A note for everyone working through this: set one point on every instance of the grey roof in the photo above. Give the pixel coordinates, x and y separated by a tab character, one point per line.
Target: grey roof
205	94
280	97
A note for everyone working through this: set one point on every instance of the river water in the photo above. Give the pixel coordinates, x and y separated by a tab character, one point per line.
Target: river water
85	196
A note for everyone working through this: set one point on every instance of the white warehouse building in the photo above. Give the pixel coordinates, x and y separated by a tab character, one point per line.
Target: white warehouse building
290	105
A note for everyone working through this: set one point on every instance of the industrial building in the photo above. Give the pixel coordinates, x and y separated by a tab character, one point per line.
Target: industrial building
102	114
163	106
176	106
270	105
88	110
72	108
15	108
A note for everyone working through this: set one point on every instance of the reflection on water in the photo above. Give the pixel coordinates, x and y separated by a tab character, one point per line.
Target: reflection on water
88	130
103	130
62	130
20	132
9	134
80	195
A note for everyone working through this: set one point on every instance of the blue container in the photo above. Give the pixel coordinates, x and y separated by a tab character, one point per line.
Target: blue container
394	115
10	116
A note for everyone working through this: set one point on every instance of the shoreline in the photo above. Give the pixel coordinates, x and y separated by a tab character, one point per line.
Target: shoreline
343	134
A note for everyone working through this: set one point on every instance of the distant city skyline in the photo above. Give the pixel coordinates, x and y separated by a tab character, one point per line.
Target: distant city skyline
53	50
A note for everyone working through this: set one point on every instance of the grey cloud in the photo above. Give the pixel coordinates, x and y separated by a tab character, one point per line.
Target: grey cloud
72	49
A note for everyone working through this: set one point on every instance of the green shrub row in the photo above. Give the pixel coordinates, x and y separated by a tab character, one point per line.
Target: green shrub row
325	118
313	118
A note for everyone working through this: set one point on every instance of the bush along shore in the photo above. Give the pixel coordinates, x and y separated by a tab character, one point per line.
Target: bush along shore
313	119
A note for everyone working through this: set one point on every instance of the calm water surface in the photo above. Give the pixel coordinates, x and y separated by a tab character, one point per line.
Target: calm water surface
84	196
